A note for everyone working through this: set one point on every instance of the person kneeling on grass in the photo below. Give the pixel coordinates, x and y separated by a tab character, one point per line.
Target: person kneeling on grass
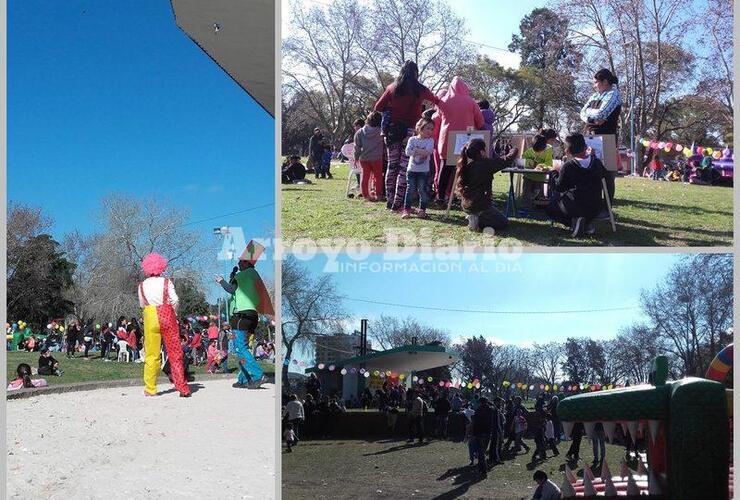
475	185
576	199
294	171
48	365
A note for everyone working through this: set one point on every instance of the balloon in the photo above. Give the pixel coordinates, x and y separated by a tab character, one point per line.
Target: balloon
388	373
661	144
362	371
429	379
717	155
699	150
448	384
531	387
477	385
61	328
554	387
667	149
470	386
542	386
401	376
321	366
343	371
507	383
367	374
295	361
653	145
669	145
679	148
547	387
48	327
420	381
441	384
686	152
382	374
415	378
376	373
710	150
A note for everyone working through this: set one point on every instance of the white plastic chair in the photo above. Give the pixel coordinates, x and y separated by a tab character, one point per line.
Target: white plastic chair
348	150
123	351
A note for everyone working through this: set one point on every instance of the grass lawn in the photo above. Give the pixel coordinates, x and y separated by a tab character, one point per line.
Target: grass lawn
94	369
395	469
649	213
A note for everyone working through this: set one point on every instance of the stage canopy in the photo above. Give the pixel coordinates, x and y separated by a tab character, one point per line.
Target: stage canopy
408	358
239	37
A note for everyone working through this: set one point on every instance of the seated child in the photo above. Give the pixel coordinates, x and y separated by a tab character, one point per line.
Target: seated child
577	197
293	171
48	365
475	185
24	381
215	357
289	436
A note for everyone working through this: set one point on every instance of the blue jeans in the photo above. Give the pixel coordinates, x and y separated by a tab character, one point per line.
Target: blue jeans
599	445
416	181
249	369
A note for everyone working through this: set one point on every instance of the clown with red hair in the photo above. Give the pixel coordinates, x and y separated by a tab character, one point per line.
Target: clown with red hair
158	299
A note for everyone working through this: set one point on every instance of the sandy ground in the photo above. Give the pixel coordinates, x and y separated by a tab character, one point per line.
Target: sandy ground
115	443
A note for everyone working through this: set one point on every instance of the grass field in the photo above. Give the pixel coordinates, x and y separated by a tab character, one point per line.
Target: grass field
396	469
94	369
648	213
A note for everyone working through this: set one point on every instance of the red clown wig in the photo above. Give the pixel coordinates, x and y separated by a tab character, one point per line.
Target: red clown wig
153	264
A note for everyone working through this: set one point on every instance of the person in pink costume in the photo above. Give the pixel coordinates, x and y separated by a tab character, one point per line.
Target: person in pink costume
459	111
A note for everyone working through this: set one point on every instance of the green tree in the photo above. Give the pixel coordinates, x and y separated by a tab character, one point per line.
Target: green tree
476	357
575	365
42	275
191	298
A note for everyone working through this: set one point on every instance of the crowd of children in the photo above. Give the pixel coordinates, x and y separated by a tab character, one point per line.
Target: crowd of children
202	343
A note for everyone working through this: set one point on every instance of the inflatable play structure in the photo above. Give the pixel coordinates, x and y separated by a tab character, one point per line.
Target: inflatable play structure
686	426
722	167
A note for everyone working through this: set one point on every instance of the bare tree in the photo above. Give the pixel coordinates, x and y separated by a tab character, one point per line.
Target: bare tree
389	332
311	307
108	263
692	309
546	361
24	222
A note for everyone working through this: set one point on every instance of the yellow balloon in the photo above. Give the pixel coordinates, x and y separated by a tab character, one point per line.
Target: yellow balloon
470	386
555	387
687	152
717	155
667	149
709	150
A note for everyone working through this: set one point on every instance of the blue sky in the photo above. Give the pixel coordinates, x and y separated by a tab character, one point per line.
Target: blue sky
107	96
533	282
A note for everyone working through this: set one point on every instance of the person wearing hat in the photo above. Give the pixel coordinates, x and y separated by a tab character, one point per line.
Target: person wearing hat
250	300
158	299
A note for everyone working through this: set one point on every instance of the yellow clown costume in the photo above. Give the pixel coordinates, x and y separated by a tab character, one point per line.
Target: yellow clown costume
158	299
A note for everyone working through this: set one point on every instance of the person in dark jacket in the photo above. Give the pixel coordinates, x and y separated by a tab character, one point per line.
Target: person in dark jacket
442	411
73	333
48	365
316	148
576	200
497	432
293	170
475	185
575	446
482	428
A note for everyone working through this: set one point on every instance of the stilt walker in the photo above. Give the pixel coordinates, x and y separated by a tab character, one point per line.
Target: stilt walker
250	300
158	299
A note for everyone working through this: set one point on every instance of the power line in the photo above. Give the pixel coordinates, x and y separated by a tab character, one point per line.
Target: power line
488	311
227	215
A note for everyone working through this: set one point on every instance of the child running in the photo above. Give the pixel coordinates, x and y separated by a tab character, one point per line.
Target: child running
419	149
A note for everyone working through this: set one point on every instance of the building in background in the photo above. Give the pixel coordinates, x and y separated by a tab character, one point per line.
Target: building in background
329	349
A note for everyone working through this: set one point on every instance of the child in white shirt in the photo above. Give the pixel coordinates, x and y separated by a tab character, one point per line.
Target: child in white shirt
419	149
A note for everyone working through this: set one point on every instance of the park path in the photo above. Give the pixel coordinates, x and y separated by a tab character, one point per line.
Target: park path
115	443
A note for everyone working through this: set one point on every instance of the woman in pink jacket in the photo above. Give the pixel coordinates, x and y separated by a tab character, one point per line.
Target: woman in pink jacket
459	111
